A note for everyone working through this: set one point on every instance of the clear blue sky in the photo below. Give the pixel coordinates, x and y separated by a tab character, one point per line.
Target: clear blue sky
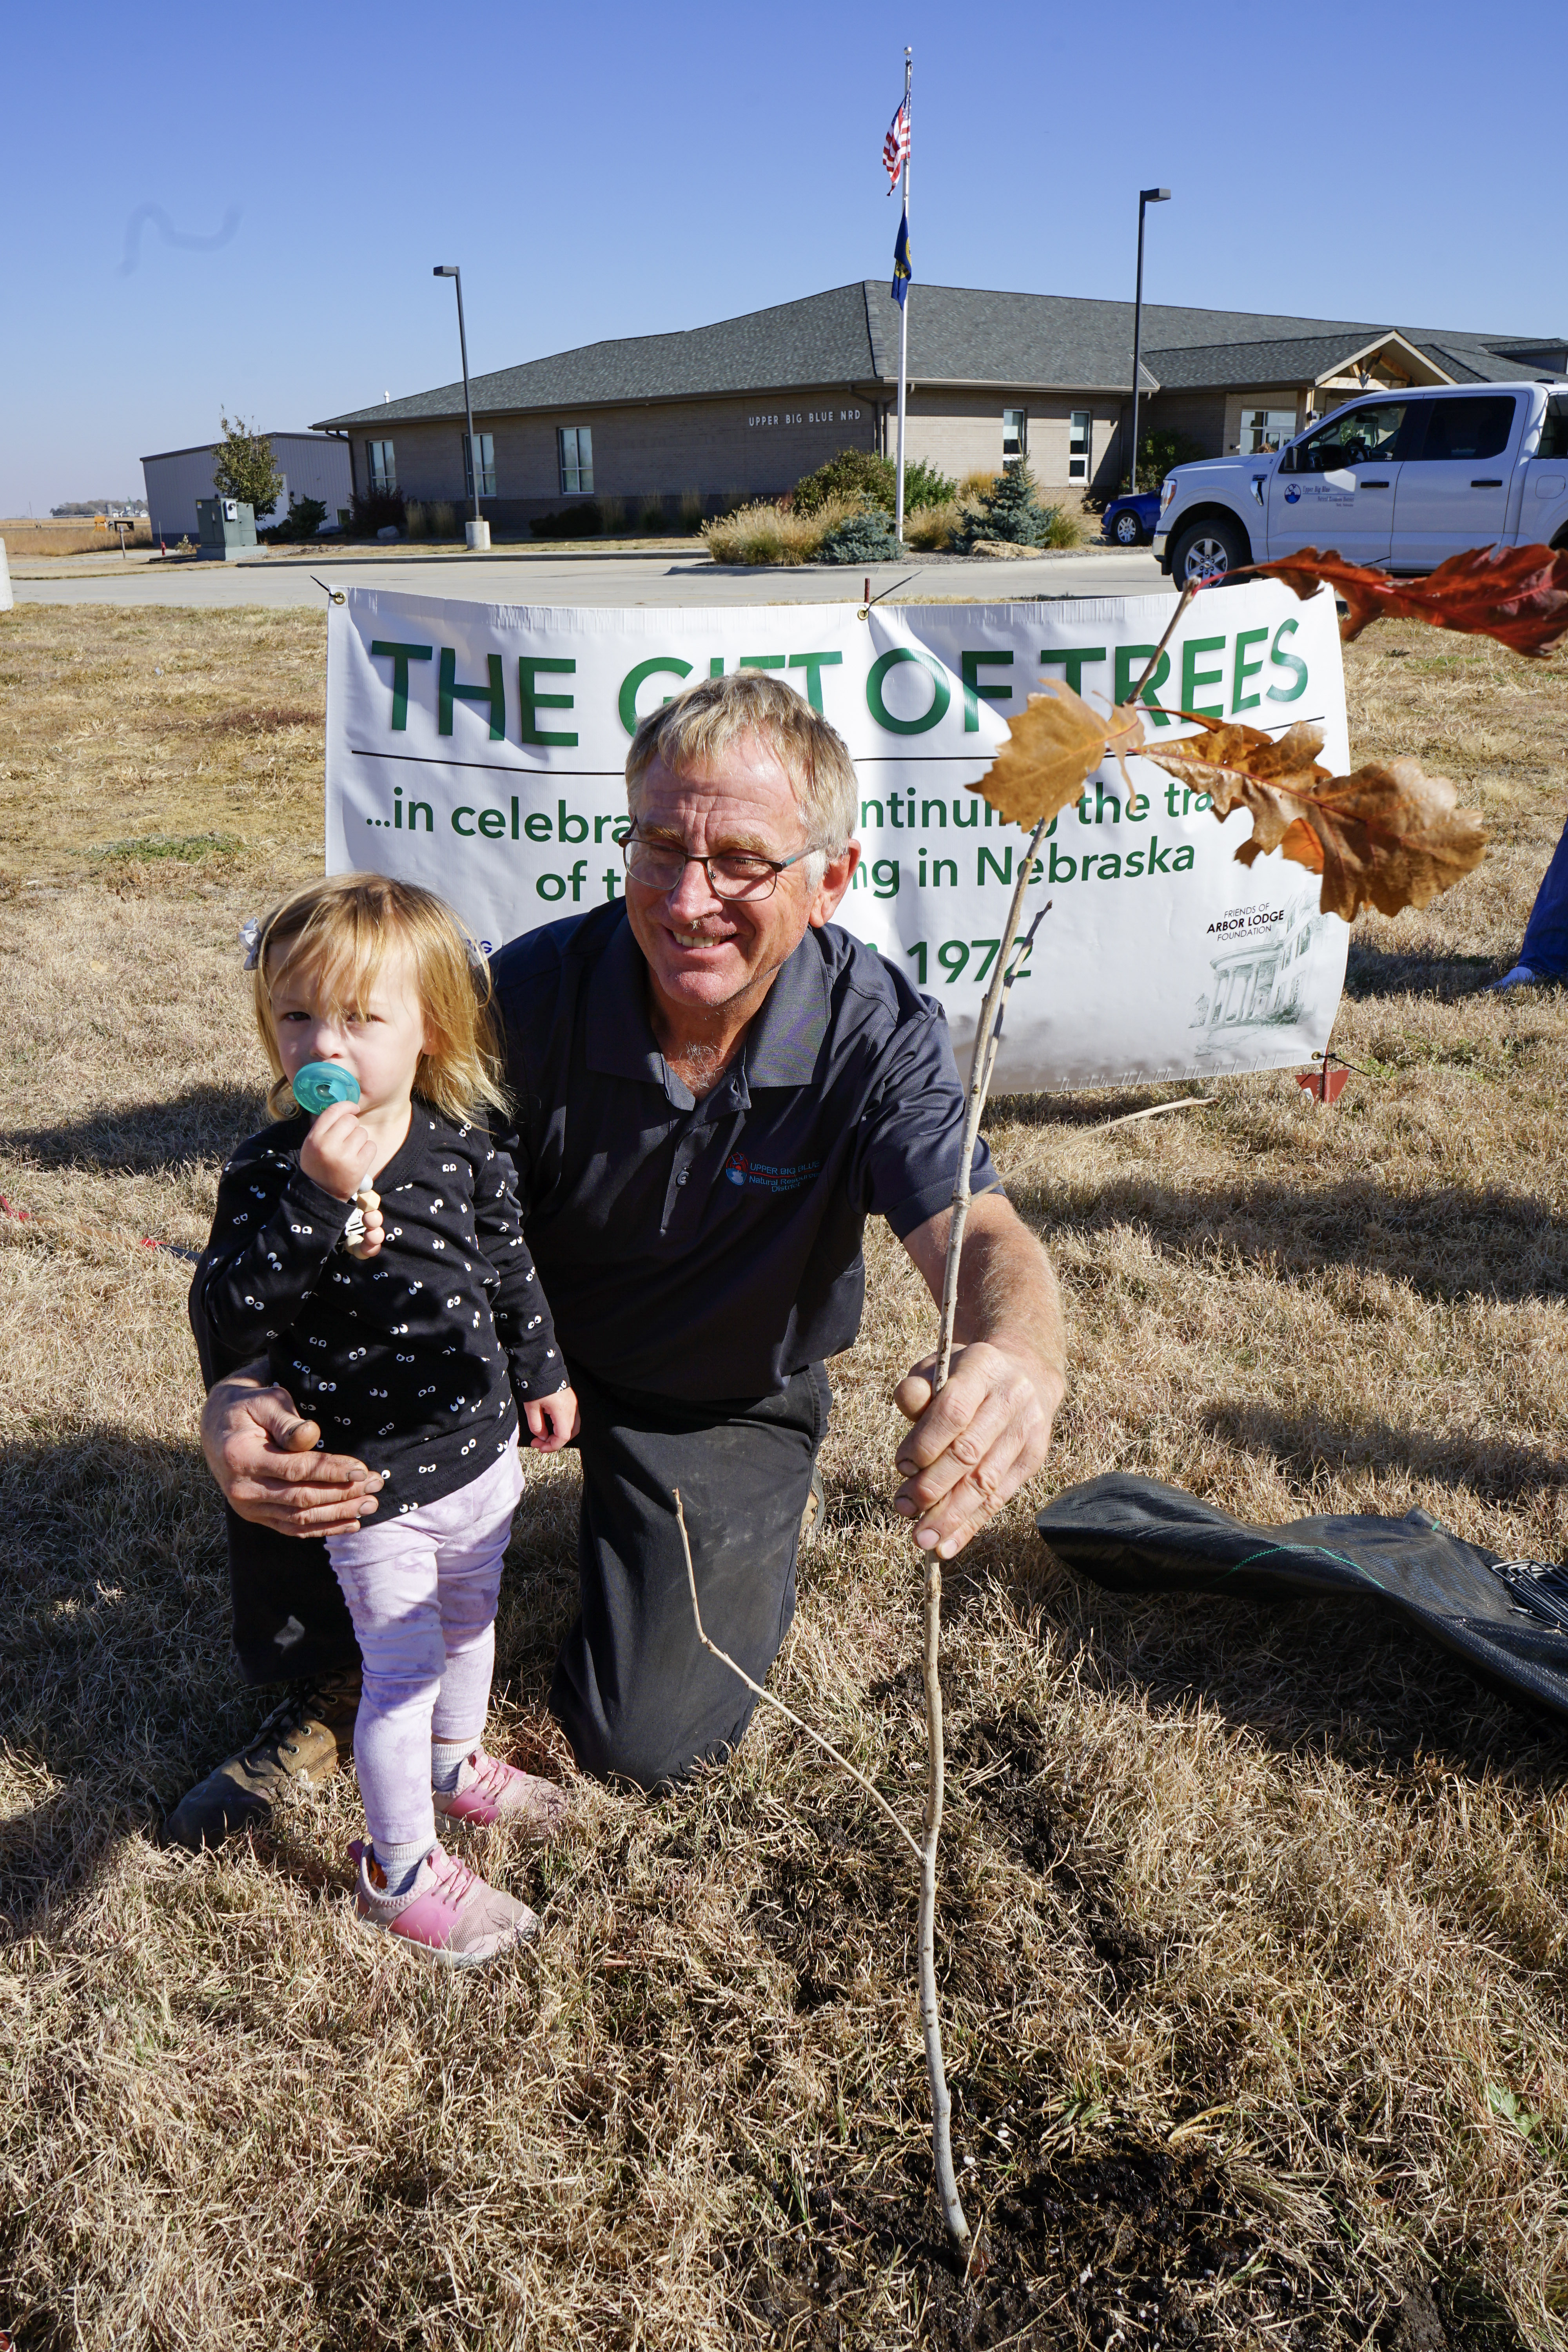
606	169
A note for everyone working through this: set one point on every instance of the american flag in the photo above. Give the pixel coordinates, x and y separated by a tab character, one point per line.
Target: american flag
896	147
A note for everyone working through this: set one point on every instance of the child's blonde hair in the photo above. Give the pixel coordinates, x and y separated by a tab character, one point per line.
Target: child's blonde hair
341	929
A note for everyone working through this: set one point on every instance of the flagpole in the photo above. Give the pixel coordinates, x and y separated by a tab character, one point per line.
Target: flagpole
904	305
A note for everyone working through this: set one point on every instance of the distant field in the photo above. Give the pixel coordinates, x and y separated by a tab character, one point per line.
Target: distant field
1254	1926
24	537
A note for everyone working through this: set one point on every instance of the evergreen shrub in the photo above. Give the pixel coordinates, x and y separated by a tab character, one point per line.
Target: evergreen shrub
303	520
375	510
861	539
1010	510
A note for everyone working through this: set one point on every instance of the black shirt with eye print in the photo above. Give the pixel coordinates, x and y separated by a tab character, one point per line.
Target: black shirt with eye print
414	1360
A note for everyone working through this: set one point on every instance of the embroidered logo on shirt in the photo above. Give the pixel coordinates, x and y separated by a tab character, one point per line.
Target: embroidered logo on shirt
770	1175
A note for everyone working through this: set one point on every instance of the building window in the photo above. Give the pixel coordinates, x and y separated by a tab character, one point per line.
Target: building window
1265	428
487	465
1015	432
1080	434
383	466
574	444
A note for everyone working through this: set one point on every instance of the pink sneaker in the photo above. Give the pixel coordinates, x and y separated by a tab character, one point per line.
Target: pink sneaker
489	1791
448	1915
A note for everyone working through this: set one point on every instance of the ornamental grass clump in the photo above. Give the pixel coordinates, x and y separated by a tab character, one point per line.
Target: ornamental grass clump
935	527
977	485
767	532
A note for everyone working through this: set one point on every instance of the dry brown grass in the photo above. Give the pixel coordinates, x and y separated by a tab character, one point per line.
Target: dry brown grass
24	537
118	726
1250	1919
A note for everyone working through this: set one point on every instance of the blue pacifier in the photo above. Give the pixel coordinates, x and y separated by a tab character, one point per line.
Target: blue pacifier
320	1083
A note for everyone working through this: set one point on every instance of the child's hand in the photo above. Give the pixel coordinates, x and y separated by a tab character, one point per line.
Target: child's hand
337	1153
370	1241
553	1421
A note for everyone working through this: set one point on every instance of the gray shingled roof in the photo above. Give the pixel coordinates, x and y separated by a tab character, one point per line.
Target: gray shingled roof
823	339
1296	358
1474	363
958	334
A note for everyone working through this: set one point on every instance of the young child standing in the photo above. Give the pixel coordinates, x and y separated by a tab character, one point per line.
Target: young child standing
374	1255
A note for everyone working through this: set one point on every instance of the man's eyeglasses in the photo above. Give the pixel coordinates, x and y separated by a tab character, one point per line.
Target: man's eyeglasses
731	872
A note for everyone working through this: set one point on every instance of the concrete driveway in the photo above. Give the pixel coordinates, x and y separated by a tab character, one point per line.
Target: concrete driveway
617	576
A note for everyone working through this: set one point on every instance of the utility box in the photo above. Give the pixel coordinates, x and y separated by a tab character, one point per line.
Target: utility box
226	527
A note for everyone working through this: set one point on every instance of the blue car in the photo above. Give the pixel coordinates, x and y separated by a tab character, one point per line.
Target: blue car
1130	521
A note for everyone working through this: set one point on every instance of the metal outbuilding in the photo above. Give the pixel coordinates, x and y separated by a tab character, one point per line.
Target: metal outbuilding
314	466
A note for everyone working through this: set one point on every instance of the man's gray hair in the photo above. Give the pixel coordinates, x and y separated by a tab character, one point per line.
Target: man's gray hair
696	728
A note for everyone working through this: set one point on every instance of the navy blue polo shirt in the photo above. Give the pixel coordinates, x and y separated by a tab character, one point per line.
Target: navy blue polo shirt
711	1249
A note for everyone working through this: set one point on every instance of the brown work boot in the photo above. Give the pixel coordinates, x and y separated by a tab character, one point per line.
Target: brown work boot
301	1745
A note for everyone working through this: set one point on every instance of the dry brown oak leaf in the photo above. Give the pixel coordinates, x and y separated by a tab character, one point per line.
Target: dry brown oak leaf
1388	836
1053	746
1517	595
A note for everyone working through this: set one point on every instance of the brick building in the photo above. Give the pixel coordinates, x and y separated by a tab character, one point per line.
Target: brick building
746	407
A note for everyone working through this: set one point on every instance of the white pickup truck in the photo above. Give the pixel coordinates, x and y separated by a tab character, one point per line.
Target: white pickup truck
1399	479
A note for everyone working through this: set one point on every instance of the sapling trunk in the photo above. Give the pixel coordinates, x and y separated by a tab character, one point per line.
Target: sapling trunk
986	1040
987	1037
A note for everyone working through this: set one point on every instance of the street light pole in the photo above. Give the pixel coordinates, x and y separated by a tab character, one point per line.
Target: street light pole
1145	197
477	531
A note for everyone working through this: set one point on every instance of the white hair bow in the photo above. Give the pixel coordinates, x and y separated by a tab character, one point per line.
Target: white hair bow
250	940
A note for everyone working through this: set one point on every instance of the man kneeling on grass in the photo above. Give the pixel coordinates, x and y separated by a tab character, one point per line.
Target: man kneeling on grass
715	1086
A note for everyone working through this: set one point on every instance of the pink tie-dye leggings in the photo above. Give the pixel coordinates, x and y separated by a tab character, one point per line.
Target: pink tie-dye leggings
421	1588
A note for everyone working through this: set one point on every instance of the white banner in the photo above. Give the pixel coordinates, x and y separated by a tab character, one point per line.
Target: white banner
480	749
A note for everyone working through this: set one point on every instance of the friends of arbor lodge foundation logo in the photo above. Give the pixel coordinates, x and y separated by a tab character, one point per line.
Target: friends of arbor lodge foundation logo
1259	969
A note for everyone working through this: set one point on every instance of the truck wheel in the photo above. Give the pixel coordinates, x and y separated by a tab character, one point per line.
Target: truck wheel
1208	549
1127	530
